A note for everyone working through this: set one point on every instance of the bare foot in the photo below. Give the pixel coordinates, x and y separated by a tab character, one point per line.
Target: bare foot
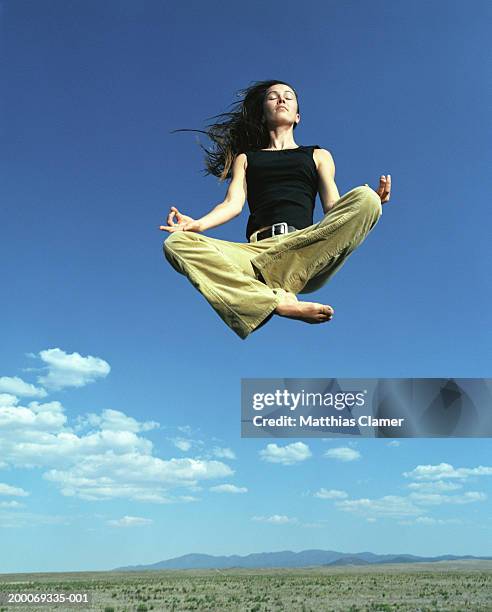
310	312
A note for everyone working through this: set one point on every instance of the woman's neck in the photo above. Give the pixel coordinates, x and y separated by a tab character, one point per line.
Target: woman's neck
280	146
281	138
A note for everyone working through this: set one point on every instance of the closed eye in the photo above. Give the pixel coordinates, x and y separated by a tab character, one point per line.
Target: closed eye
288	95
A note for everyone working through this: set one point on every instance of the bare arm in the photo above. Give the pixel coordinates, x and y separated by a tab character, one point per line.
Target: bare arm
328	191
225	211
235	198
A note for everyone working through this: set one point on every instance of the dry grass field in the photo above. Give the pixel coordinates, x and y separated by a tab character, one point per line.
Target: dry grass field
464	586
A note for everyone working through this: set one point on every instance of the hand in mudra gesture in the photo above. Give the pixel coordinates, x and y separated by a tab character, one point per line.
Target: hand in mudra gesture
184	222
384	189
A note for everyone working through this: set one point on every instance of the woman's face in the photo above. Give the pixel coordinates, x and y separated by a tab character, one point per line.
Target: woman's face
280	106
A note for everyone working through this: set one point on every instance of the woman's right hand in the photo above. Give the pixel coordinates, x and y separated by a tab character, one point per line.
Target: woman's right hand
184	222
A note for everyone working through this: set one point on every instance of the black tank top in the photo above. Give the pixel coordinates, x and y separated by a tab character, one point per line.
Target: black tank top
282	186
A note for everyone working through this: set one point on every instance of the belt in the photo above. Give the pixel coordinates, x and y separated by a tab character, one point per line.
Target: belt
274	230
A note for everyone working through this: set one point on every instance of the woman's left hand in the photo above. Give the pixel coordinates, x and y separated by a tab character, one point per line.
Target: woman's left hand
384	189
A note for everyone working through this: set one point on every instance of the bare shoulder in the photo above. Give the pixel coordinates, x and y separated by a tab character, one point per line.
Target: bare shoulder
323	157
237	191
241	161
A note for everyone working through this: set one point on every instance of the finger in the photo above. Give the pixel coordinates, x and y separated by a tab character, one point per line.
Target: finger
381	187
387	187
173	211
170	217
170	228
384	187
177	213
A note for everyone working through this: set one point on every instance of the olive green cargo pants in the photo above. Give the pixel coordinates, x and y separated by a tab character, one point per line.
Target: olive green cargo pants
244	282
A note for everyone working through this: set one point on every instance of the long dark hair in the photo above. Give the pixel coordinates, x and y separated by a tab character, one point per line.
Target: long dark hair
243	129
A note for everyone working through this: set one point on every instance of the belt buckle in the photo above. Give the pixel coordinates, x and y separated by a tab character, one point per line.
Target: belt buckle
283	225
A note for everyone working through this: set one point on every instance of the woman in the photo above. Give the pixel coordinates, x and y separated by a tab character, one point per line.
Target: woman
286	254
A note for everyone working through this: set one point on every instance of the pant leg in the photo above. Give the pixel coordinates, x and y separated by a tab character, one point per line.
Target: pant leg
221	270
304	260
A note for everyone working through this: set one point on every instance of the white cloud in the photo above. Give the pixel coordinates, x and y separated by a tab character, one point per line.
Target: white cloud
389	506
101	464
434	499
40	417
343	453
228	488
130	521
431	521
469	496
394	443
71	370
428	520
112	460
115	420
275	519
446	470
182	443
6	489
6	399
134	476
430	489
16	386
11	504
286	455
223	453
330	494
434	486
399	507
186	439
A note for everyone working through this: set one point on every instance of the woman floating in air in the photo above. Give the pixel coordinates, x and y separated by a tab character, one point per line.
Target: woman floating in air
286	254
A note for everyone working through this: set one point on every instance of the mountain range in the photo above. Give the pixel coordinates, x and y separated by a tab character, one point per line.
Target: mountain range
287	558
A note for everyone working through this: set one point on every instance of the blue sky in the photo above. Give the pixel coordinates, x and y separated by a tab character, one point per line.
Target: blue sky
120	386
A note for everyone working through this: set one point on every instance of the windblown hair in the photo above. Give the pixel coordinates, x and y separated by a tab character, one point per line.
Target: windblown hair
242	129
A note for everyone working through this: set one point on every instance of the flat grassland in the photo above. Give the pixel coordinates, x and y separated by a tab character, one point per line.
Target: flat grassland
422	587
